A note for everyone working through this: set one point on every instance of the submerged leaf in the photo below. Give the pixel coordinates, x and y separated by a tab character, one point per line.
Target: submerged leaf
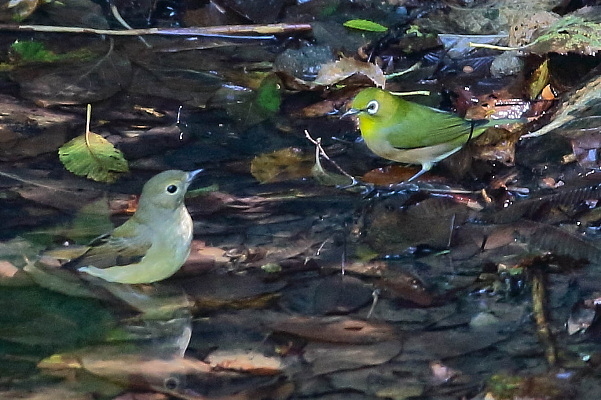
93	156
31	51
563	243
281	165
250	107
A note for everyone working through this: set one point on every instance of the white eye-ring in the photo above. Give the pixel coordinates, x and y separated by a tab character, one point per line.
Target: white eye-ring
372	107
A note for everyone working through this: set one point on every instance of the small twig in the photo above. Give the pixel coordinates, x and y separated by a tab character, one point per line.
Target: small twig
120	19
413	93
375	296
495	47
320	151
451	230
412	68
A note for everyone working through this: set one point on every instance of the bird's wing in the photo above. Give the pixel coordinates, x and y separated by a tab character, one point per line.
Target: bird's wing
448	128
127	244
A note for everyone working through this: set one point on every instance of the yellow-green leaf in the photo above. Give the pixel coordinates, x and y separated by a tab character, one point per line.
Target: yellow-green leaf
365	25
93	156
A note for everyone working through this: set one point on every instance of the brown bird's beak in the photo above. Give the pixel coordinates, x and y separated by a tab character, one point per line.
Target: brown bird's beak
351	111
193	174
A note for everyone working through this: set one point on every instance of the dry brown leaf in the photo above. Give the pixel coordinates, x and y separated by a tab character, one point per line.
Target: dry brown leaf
245	361
7	269
526	25
337	71
203	258
154	371
406	287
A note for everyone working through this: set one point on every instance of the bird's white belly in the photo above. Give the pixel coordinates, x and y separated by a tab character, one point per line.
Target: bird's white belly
418	155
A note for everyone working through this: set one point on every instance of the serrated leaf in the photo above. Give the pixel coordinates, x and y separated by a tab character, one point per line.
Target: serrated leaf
93	156
365	25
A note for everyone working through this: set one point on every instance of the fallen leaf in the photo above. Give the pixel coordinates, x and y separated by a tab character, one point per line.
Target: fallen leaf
245	361
337	71
93	156
330	357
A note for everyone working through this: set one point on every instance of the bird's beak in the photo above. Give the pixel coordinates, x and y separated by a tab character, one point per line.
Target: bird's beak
193	174
351	111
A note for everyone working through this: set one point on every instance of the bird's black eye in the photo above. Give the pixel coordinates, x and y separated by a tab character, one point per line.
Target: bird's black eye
372	107
172	189
172	382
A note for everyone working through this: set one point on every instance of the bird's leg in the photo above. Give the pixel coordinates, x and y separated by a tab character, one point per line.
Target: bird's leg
425	168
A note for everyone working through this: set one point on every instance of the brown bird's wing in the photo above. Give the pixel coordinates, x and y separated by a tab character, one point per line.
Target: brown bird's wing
127	244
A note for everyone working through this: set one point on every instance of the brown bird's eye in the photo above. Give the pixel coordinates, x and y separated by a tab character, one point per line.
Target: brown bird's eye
172	189
372	107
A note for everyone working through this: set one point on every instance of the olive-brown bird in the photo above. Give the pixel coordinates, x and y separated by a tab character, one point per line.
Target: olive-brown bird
153	244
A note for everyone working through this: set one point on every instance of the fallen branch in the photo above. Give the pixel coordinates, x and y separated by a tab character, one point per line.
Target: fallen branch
267	29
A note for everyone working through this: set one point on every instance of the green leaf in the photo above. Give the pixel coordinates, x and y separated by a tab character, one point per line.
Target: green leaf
269	96
365	25
93	156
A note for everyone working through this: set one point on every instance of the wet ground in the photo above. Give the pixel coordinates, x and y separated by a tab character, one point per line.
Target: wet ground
479	279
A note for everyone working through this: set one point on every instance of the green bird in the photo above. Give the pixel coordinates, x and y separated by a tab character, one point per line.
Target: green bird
153	244
411	133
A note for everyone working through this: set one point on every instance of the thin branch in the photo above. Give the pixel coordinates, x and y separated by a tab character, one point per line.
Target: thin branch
413	93
266	29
